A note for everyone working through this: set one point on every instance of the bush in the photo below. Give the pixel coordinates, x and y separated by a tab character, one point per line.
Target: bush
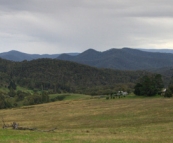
107	97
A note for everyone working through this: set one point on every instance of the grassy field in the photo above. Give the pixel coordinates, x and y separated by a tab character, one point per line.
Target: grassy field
126	120
70	96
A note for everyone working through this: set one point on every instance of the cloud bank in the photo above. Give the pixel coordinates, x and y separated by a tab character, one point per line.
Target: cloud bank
55	26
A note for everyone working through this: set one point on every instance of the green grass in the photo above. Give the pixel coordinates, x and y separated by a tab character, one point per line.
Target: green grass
24	89
4	90
125	120
69	96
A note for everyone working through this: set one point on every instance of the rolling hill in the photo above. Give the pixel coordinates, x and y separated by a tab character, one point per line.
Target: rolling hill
122	59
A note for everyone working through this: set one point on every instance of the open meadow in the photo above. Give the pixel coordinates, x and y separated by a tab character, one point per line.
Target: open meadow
125	120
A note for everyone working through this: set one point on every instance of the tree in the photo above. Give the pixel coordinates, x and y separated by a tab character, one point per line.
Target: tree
138	89
21	95
12	85
11	93
45	97
158	82
2	102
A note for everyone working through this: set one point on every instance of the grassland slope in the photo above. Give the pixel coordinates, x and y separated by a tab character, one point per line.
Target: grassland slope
126	120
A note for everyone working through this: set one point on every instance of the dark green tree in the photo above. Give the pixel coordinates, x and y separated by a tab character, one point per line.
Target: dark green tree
12	85
20	95
11	93
2	102
45	97
158	82
138	89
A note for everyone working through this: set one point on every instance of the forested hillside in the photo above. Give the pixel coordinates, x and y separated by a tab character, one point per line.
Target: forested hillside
63	76
122	59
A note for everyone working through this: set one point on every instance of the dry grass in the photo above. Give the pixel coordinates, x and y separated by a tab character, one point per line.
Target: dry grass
95	120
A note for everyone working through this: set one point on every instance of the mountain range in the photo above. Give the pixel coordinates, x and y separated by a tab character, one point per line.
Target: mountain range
122	59
19	56
158	50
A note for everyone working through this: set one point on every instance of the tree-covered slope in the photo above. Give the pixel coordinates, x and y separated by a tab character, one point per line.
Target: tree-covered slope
55	75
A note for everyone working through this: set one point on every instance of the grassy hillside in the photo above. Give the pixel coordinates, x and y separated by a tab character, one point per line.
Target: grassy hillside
126	120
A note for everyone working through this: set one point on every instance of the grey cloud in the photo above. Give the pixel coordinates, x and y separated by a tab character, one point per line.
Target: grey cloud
54	26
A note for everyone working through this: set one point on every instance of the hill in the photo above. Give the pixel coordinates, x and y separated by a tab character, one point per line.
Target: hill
64	76
122	59
19	56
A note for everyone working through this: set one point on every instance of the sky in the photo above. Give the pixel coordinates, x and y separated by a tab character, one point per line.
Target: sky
63	26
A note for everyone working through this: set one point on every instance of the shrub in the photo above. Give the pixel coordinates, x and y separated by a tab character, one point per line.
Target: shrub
60	97
107	97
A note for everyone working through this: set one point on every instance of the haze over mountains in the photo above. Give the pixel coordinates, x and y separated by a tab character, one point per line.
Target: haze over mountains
121	59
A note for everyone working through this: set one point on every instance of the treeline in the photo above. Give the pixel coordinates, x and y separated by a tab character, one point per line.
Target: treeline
20	98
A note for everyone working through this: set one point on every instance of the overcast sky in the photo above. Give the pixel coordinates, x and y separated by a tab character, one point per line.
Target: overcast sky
62	26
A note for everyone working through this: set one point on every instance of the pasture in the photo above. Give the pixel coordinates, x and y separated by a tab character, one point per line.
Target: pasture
125	120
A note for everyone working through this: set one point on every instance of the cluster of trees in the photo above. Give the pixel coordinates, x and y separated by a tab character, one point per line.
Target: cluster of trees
14	98
37	99
153	85
3	102
149	85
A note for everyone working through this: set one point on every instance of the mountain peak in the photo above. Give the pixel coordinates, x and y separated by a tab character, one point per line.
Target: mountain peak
90	50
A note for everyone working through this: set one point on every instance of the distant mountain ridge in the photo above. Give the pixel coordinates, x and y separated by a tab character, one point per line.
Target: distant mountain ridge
20	56
158	50
122	59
